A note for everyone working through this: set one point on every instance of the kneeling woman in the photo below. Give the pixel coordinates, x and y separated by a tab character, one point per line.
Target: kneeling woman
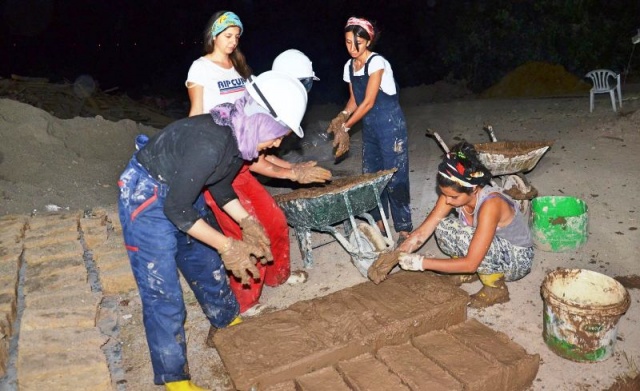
489	237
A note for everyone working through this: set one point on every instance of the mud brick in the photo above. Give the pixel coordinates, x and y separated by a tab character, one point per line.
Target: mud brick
325	379
94	236
11	238
13	224
7	316
57	318
284	386
55	279
10	254
118	280
4	355
76	297
54	252
62	359
60	340
68	221
318	333
114	259
47	238
416	370
9	267
56	267
366	373
520	367
467	366
113	243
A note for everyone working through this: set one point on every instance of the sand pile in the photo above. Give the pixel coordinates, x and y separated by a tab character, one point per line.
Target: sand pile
537	79
71	163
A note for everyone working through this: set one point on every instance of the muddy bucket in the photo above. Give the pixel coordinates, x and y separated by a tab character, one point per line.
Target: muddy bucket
581	313
559	223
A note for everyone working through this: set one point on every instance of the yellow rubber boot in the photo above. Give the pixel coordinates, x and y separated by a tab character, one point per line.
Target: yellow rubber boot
212	331
494	291
182	385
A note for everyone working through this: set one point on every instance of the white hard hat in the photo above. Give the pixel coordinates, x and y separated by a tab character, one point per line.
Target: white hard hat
293	62
283	95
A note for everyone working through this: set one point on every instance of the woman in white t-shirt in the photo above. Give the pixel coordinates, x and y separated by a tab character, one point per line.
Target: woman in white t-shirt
374	100
218	76
214	81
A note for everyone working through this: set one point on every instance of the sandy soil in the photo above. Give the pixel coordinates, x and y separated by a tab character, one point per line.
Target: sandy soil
47	163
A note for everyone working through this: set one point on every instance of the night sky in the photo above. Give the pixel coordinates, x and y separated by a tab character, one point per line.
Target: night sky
146	47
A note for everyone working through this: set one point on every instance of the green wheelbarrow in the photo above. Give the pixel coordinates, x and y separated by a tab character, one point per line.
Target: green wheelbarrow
341	201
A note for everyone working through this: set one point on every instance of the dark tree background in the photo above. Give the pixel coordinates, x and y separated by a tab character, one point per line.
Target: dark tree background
146	47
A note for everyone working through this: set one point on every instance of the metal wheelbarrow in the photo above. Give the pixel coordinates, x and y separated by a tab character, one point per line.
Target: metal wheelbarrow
322	207
508	161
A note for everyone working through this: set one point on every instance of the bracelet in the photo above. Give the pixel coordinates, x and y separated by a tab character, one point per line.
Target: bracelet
344	127
345	112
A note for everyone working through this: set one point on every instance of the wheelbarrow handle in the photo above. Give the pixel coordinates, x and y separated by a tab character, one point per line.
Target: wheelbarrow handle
431	133
489	129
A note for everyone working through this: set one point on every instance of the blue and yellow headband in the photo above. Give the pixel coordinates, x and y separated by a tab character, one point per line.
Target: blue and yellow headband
226	20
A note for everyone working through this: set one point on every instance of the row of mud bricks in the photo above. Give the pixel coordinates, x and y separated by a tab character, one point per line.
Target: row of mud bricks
56	271
409	333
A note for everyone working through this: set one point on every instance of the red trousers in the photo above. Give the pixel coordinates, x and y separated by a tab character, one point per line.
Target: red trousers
260	204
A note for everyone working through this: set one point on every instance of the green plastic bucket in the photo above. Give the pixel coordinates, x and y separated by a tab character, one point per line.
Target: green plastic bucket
581	313
559	223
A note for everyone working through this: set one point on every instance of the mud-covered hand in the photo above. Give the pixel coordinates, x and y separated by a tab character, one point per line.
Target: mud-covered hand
340	136
411	244
411	262
336	123
309	172
253	233
341	142
237	258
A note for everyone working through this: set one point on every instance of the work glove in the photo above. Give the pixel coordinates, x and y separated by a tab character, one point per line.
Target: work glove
309	172
237	258
411	262
340	135
382	266
253	234
410	244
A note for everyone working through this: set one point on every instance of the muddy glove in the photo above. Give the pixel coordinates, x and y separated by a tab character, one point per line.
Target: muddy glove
253	234
340	136
411	262
308	172
382	266
236	256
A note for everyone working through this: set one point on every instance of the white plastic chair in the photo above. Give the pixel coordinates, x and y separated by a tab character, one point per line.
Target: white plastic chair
603	82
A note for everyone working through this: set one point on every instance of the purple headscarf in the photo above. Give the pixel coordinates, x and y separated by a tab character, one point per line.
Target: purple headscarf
251	124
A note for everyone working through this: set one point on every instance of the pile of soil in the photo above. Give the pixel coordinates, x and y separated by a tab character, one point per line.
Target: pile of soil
537	79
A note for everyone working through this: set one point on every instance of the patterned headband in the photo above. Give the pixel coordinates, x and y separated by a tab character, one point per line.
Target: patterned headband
226	20
452	169
365	24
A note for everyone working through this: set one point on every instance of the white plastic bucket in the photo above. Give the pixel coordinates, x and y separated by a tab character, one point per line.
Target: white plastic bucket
581	313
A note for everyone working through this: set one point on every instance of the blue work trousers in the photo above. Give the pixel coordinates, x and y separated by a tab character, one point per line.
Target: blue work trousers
157	251
384	146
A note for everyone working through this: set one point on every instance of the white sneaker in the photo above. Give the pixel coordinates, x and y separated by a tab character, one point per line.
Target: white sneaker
297	277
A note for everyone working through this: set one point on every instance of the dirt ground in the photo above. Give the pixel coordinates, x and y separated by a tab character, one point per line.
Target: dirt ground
48	164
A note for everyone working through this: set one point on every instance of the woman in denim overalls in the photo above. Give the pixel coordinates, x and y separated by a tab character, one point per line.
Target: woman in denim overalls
374	100
168	229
